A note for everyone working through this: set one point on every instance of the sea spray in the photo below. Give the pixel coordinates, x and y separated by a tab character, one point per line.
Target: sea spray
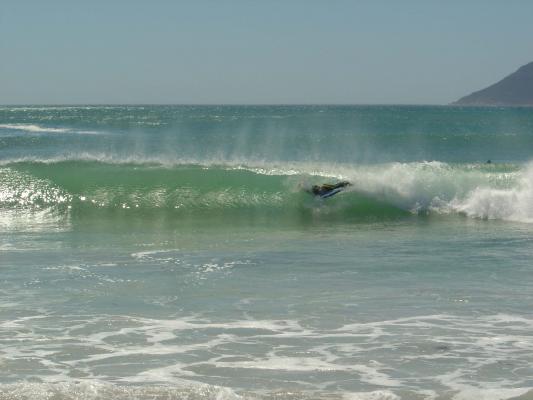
514	203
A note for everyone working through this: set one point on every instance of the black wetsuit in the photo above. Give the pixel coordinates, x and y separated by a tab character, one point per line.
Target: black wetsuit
320	190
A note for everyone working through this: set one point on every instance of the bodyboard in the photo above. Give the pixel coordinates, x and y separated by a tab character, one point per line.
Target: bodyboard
330	193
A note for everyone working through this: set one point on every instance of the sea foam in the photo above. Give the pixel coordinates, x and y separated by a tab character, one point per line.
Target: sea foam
33	128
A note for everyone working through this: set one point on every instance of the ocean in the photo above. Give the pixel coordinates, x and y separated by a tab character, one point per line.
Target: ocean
174	252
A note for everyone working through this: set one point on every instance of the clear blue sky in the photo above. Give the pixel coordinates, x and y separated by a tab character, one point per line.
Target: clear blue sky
251	51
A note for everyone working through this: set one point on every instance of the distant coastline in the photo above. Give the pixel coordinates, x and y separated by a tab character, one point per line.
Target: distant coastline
515	89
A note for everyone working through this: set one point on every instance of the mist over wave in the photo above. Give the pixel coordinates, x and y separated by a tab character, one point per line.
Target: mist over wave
330	134
182	158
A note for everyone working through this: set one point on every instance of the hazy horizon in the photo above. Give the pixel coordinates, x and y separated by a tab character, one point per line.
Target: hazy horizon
282	53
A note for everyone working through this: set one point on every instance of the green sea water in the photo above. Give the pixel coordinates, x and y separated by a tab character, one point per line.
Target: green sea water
169	252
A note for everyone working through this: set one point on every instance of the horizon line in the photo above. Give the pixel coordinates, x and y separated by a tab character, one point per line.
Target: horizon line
97	104
453	105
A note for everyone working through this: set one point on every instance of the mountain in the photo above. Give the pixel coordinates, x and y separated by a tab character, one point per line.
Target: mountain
513	90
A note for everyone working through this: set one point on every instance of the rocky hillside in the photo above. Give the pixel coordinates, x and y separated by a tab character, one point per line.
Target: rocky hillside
513	90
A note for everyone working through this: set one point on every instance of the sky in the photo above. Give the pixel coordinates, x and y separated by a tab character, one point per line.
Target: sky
258	52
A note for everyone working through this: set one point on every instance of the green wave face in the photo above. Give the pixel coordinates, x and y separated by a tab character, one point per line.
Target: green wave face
81	191
218	195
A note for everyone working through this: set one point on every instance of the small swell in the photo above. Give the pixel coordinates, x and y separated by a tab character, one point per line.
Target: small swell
32	128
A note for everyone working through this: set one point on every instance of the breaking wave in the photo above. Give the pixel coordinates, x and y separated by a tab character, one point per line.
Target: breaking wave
82	186
34	128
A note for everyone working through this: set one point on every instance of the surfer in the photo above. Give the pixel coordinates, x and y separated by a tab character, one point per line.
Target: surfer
327	188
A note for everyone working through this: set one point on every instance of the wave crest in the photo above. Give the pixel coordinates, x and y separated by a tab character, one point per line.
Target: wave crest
511	204
378	191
